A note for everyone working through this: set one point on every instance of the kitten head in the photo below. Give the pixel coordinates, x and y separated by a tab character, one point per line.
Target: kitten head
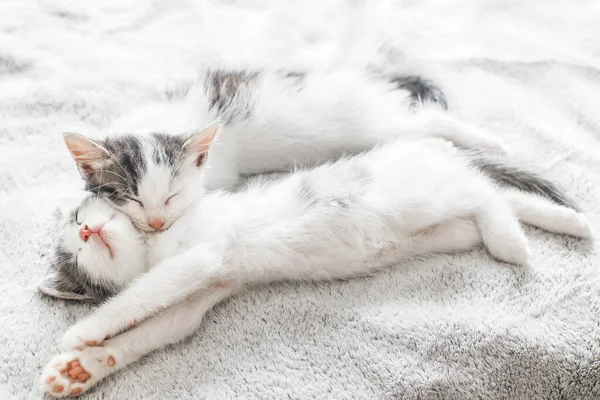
97	251
152	178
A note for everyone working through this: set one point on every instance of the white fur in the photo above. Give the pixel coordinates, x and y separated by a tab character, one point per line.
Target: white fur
336	221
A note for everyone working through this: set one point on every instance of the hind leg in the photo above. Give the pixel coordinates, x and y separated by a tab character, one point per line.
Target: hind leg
542	213
451	236
459	234
499	227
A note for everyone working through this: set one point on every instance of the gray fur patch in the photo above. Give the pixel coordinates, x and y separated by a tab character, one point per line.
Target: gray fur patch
229	94
529	182
71	282
123	171
179	90
420	90
167	149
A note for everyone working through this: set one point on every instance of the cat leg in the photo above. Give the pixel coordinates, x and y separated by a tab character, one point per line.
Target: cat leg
74	372
435	123
544	214
460	234
499	228
169	282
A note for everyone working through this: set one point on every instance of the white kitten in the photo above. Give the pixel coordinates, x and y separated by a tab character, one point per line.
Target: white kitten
336	221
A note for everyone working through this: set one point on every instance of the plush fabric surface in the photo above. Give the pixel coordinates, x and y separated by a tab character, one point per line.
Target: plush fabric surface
445	327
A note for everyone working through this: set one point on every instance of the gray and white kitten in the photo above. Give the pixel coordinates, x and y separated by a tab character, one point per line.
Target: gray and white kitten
81	276
336	221
270	122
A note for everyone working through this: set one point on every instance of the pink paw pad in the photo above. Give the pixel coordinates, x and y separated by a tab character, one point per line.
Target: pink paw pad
76	371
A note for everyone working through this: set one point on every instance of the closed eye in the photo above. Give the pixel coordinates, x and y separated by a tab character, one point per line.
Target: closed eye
136	200
170	197
77	217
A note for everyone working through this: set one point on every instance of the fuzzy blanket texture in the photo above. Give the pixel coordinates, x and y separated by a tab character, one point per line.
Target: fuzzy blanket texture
443	327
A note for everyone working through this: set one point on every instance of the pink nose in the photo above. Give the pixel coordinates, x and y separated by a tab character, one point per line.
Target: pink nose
85	232
156	223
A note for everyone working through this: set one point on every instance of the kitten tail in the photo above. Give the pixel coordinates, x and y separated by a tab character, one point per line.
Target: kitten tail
504	174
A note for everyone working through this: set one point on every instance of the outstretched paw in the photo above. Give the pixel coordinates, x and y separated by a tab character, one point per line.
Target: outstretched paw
73	373
65	376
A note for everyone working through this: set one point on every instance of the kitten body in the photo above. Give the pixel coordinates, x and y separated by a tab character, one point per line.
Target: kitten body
336	221
307	197
270	122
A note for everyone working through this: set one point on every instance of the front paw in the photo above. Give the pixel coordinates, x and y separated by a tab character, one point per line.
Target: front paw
82	335
74	372
64	376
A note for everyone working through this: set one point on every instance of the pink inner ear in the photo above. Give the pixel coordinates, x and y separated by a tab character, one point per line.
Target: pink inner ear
78	152
89	162
86	168
200	144
88	155
82	159
200	159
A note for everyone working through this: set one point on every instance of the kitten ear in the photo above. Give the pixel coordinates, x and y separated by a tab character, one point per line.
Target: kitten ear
60	285
199	143
89	155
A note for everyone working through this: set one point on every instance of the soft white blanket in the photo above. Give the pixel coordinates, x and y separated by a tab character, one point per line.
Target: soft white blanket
444	327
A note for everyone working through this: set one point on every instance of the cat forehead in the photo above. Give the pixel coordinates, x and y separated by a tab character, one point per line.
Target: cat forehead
135	159
136	151
166	149
128	162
